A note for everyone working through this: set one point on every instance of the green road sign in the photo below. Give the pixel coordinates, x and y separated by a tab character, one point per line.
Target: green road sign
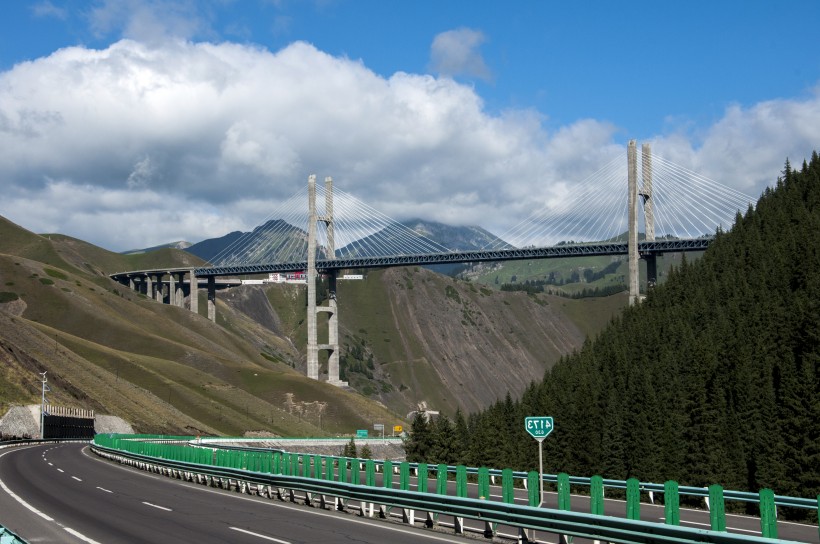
538	427
361	433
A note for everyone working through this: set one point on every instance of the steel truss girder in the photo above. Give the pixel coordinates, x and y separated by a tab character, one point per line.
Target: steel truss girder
655	247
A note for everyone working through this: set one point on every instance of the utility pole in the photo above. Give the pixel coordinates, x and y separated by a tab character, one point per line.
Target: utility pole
43	405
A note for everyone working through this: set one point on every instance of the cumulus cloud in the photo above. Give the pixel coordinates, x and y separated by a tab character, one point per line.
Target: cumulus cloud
455	53
150	21
144	143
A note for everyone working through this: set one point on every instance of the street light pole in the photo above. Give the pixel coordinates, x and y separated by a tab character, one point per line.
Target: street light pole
43	406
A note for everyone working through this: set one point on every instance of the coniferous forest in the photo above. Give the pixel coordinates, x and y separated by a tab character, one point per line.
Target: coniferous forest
714	378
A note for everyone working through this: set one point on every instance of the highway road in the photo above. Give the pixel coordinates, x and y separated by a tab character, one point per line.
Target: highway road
65	493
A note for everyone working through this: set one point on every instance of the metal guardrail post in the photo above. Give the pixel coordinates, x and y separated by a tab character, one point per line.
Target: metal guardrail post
317	467
533	488
370	473
343	462
404	476
507	489
768	514
387	477
563	492
483	483
461	481
596	495
633	499
671	503
355	472
717	512
441	479
422	475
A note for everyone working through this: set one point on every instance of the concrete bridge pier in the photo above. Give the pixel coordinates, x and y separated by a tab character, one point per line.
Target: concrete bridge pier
212	298
172	289
312	340
645	194
194	292
131	284
149	286
160	294
632	242
179	296
332	345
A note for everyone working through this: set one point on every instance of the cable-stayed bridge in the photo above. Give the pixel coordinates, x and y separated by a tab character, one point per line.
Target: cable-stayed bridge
668	209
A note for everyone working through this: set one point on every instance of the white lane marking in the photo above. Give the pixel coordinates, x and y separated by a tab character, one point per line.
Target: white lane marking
156	506
258	535
234	496
80	536
24	503
60	470
79	480
104	489
51	464
42	515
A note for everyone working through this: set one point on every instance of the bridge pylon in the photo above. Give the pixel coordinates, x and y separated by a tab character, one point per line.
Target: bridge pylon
646	200
332	345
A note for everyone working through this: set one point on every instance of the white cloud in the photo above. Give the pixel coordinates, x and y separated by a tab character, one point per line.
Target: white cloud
140	144
48	9
150	21
455	52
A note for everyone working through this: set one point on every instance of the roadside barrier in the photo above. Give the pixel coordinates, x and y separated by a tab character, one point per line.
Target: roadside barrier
7	537
336	481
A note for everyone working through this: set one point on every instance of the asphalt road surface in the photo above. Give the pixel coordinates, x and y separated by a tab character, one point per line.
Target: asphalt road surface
65	493
72	496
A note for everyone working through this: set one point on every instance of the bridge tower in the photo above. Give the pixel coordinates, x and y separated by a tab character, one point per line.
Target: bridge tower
645	194
332	345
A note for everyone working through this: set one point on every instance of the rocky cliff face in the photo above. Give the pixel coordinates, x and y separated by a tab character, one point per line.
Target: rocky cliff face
481	343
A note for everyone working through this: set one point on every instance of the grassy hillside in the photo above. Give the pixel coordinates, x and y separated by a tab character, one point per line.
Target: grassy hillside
160	367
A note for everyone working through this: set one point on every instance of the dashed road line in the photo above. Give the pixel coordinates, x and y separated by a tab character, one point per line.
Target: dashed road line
104	489
79	480
80	536
60	470
265	537
157	506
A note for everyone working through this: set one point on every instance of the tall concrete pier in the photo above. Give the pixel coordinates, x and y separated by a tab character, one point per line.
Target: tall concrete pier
632	183
332	344
645	194
312	341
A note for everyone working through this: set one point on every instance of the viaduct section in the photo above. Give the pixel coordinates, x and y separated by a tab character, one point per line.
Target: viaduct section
177	288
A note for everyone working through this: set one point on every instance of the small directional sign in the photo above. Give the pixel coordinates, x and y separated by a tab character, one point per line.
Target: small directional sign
538	427
361	433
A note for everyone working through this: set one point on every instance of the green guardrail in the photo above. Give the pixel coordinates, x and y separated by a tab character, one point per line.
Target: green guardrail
341	477
646	488
8	537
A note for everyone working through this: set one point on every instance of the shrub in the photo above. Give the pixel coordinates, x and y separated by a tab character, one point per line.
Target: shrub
6	296
55	274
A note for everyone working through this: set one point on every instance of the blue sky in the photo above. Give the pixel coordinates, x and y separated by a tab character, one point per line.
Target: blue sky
709	83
